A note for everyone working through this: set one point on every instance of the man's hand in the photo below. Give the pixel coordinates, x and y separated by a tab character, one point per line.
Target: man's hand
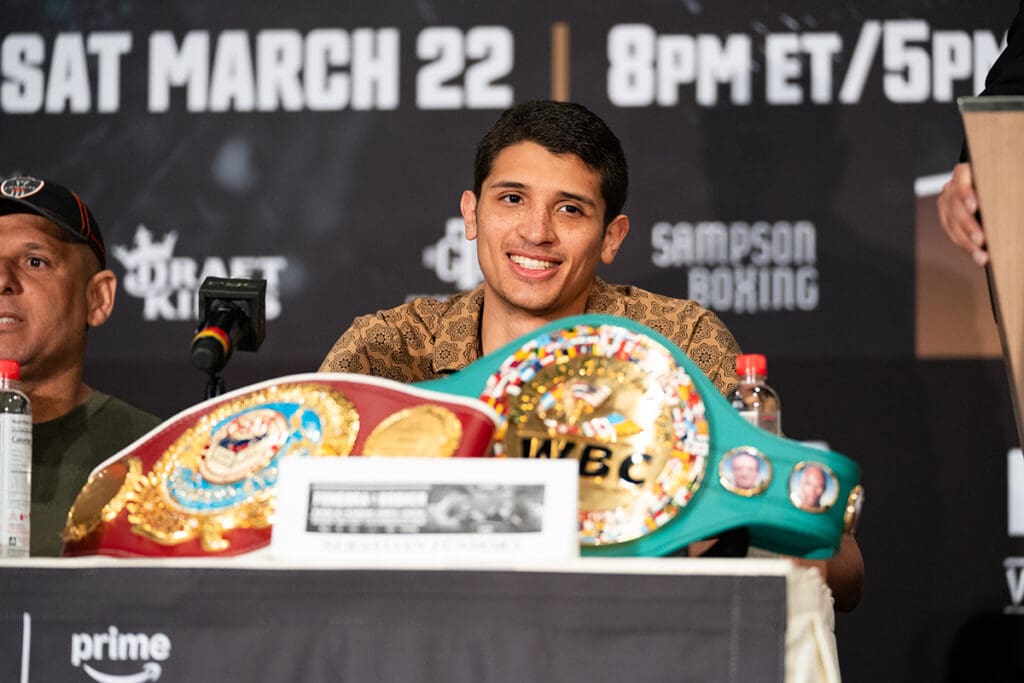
958	205
843	573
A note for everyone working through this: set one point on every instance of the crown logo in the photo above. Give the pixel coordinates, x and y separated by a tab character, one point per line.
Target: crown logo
145	250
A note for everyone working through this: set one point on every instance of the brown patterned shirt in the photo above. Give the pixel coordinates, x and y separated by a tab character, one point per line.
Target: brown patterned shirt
426	338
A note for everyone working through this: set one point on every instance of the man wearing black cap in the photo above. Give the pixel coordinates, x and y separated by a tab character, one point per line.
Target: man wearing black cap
54	285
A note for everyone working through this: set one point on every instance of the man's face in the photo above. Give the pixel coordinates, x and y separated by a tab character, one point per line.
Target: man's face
539	227
812	486
744	471
44	298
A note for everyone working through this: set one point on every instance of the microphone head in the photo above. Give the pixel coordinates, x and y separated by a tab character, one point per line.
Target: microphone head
248	295
231	314
208	355
211	347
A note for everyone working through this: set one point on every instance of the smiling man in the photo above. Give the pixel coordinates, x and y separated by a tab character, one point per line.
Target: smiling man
549	185
54	286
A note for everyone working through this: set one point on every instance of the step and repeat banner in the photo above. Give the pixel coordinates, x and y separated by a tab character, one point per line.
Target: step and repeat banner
784	162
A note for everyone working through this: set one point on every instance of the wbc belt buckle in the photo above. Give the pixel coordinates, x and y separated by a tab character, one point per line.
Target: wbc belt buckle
646	426
616	401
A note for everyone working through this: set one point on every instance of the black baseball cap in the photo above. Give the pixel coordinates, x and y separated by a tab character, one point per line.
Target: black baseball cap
56	203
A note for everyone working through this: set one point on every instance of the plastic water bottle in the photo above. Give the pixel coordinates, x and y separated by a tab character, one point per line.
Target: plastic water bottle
15	462
756	402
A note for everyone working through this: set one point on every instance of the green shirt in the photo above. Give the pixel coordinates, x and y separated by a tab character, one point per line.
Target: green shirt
65	451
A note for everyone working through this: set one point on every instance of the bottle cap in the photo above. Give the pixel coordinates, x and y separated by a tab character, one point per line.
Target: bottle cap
751	363
9	369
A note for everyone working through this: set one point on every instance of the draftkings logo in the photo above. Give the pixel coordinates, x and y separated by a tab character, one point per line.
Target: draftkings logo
167	284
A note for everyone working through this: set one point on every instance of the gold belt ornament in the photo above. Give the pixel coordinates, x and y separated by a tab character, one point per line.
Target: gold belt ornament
205	481
636	426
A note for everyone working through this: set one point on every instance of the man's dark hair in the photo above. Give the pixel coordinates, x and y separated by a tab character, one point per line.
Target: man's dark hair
560	128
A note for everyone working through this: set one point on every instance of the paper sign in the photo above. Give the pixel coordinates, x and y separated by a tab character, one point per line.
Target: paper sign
446	510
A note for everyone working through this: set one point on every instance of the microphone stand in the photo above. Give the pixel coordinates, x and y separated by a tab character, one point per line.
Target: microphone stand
232	315
214	385
216	341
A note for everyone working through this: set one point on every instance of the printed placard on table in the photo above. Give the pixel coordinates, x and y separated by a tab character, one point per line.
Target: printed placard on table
458	510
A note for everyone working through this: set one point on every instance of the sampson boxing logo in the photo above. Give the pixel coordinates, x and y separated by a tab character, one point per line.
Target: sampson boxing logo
93	652
743	266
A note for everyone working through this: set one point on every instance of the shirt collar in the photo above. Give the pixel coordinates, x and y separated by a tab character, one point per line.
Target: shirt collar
465	311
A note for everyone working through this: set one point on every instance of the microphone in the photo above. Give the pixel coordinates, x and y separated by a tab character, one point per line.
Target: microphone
232	313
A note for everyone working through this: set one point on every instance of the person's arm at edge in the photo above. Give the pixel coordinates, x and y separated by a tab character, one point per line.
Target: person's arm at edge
958	203
843	573
958	206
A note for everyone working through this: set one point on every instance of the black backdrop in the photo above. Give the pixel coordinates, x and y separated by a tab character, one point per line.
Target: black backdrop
774	152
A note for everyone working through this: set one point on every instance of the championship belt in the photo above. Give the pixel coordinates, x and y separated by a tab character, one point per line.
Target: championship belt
664	459
204	482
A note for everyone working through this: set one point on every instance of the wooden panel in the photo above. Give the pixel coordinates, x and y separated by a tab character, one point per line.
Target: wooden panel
995	136
953	314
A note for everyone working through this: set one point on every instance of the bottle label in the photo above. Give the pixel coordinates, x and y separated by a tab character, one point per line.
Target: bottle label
770	422
750	416
15	484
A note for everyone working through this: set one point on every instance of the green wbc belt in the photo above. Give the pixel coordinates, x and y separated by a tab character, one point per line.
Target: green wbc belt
664	459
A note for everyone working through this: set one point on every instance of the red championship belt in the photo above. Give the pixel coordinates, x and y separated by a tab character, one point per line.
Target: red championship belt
203	484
